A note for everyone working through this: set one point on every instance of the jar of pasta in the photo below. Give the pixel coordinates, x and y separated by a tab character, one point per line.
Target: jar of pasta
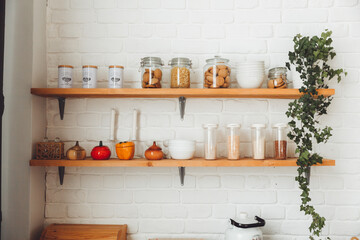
180	72
151	72
217	73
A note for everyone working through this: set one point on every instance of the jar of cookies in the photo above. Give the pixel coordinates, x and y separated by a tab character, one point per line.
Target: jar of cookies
151	72
277	78
180	72
217	73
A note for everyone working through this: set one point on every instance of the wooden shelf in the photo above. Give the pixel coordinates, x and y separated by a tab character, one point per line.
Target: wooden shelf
197	162
172	93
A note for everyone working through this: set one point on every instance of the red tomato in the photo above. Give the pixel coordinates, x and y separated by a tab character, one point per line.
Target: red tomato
100	152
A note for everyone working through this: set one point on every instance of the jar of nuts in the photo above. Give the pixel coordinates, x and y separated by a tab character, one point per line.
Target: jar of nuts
151	72
277	78
217	73
180	72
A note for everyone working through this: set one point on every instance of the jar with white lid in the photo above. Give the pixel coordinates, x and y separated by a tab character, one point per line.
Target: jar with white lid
89	76
180	72
258	136
65	76
116	76
233	141
210	144
217	73
280	140
151	72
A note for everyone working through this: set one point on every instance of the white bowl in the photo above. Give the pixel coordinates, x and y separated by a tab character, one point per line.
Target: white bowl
250	81
182	154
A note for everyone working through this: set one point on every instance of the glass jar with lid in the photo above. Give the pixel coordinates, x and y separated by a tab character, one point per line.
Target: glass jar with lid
280	140
217	73
151	72
258	142
180	72
210	144
277	78
233	141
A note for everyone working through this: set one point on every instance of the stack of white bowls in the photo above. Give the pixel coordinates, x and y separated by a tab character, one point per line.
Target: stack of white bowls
250	74
181	149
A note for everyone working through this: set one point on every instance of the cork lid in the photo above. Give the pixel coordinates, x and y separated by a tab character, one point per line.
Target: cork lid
89	66
65	66
116	66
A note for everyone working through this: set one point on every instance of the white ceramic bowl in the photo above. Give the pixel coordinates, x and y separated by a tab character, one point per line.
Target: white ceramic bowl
182	154
250	81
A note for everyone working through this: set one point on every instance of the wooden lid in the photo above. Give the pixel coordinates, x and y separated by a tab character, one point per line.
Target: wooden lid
67	66
116	66
89	66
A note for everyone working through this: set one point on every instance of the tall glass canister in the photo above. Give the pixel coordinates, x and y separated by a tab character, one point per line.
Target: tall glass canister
233	141
258	136
210	144
280	140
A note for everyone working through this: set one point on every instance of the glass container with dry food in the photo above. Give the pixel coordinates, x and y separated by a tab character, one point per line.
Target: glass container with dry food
233	141
277	78
217	73
280	140
180	72
151	72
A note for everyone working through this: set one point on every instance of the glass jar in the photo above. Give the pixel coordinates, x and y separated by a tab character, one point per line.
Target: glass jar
210	141
151	72
258	143
233	141
280	140
217	73
277	78
180	72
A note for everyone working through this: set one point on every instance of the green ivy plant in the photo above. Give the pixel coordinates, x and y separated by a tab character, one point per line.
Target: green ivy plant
310	57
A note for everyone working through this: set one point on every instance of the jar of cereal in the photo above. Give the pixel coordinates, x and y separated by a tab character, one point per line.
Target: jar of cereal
217	73
180	72
151	72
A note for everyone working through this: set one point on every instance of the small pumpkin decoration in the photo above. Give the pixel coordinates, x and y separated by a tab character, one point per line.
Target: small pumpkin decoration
76	152
101	152
125	150
154	152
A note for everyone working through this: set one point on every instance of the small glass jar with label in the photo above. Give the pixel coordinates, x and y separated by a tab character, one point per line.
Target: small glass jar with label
217	73
89	79
65	76
151	72
280	141
180	72
233	141
116	76
277	78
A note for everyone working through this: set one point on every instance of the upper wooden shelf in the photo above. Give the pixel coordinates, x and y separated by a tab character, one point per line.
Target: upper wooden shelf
172	93
197	162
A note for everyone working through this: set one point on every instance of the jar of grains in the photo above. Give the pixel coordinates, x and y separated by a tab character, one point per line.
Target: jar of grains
217	73
280	140
210	144
277	78
151	72
233	141
180	72
258	141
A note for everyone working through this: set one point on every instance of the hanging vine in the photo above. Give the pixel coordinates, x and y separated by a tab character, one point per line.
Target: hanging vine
310	57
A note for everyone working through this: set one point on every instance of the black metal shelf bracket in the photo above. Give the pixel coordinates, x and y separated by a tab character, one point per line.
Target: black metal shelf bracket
308	174
182	175
61	174
182	102
61	101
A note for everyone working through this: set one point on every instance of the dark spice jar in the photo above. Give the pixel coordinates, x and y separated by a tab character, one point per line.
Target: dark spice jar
280	141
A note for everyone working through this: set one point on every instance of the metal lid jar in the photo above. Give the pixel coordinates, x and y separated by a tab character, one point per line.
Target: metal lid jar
217	73
180	72
277	78
151	72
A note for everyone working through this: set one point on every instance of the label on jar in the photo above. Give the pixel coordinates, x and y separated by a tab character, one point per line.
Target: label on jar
65	77
116	79
89	77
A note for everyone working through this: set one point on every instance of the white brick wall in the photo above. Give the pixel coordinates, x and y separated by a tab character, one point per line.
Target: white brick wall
151	200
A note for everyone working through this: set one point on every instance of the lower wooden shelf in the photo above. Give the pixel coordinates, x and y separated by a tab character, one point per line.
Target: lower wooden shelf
197	162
